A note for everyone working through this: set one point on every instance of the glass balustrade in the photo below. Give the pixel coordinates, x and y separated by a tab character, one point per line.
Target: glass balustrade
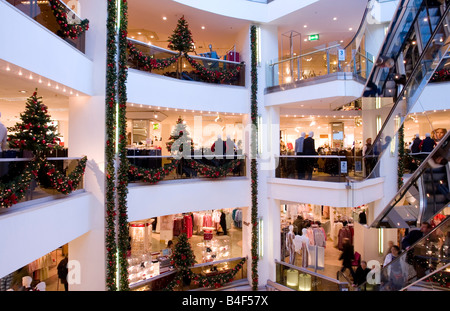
183	69
425	194
331	168
301	279
42	13
11	168
210	269
418	263
392	111
154	168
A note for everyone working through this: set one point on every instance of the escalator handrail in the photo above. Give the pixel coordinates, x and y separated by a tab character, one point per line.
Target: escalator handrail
409	81
417	173
426	277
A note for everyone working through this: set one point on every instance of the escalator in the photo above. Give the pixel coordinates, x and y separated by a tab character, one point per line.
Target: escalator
424	195
423	266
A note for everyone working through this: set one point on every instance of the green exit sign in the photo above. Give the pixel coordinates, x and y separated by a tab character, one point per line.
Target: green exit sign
313	37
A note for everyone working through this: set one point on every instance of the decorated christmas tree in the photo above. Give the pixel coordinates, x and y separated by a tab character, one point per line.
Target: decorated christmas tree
35	132
183	256
181	39
179	140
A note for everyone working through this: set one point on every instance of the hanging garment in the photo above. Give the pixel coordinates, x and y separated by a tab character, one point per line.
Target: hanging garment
177	226
187	225
344	233
310	235
319	237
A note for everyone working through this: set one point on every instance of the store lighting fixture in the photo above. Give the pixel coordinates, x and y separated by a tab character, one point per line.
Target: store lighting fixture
64	90
350	29
30	77
139	33
164	18
334	18
20	72
40	80
57	87
22	91
203	27
305	26
156	116
49	84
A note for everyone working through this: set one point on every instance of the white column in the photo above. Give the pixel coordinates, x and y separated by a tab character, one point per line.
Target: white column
87	137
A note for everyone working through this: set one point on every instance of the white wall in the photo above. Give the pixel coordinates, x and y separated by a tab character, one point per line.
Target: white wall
40	51
179	196
326	193
31	232
152	89
322	93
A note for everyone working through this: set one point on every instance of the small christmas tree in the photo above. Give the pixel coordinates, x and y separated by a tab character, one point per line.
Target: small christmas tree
179	139
183	256
36	132
181	39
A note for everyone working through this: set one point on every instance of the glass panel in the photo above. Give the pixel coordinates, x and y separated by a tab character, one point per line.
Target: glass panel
300	279
42	13
182	68
428	254
200	166
332	168
10	167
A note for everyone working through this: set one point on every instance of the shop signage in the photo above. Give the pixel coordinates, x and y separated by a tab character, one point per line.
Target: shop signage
343	167
313	37
156	126
341	55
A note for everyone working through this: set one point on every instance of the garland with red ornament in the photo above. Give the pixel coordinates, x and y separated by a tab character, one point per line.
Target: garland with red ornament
441	76
183	259
149	63
210	75
214	171
15	189
152	176
254	154
59	181
67	30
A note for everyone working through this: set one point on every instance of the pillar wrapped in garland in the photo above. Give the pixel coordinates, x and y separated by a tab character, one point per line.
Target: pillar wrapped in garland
253	156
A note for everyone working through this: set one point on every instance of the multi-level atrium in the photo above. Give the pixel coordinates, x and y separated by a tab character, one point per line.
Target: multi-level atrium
240	145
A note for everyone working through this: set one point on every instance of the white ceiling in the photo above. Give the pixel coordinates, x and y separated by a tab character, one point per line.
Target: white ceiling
221	31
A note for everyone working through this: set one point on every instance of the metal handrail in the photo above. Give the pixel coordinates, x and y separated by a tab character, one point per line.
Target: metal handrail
211	263
426	277
310	272
306	54
175	53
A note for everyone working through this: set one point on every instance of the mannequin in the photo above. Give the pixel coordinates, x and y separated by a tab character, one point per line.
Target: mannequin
290	244
301	246
40	287
26	283
299	150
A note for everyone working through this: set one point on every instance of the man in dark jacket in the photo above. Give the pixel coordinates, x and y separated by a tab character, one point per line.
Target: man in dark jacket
299	224
428	144
361	273
63	271
415	145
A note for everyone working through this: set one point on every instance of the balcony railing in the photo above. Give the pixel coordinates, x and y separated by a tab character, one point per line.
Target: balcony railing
332	168
43	190
159	282
318	63
42	13
294	278
182	69
151	168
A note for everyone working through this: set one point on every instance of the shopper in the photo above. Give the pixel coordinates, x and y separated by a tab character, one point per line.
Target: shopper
414	235
347	256
388	249
415	144
300	162
439	134
63	271
395	252
361	274
368	156
428	144
298	225
309	148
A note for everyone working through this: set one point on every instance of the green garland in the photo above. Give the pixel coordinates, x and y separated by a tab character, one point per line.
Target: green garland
150	63
152	176
183	258
214	171
253	163
14	190
122	176
67	30
401	156
210	75
60	182
110	99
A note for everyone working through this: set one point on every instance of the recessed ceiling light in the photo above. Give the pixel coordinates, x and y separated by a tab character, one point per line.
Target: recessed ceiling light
305	40
164	18
139	33
334	18
203	27
132	37
304	26
7	68
20	73
152	37
342	41
22	91
350	29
